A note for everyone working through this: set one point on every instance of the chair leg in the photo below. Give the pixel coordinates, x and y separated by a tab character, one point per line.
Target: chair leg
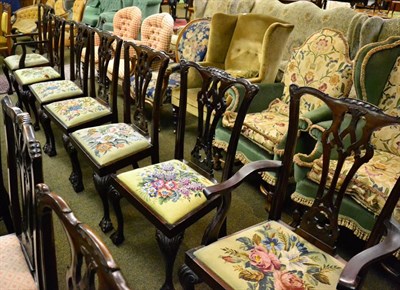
118	236
76	175
101	186
32	103
21	102
188	278
175	113
169	248
50	146
7	74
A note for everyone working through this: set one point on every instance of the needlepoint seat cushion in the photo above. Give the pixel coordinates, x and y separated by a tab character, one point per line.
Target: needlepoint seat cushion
14	271
31	59
55	90
171	189
77	111
110	142
27	76
270	256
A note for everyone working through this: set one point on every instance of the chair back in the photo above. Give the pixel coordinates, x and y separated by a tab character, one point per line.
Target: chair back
106	89
91	265
57	43
346	147
43	27
77	10
80	35
193	40
216	87
157	30
126	23
24	161
149	67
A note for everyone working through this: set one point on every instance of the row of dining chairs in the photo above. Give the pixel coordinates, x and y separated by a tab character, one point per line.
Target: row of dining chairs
170	193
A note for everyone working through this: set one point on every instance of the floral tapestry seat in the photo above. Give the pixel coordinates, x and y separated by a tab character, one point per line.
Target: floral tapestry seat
31	60
322	62
55	90
374	181
171	189
270	256
27	76
71	113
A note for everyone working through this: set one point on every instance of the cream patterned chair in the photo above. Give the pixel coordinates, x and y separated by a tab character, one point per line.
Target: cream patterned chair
322	62
376	80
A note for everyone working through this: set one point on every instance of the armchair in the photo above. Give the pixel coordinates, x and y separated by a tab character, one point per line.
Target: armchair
25	19
94	8
5	29
322	62
76	15
273	255
376	80
244	45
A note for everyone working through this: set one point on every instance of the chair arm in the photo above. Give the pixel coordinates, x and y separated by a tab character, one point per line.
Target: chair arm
235	180
349	278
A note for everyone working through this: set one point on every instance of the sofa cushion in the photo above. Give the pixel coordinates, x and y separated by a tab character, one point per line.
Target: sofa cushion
270	256
322	62
172	189
371	184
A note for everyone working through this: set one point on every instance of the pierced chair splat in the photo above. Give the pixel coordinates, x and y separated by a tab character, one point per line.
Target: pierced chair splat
237	261
179	203
134	139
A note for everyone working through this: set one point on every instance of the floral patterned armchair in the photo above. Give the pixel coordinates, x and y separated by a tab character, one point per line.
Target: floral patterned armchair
322	62
376	80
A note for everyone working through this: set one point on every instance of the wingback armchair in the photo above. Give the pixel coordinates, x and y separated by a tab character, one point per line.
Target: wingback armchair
244	45
322	62
94	8
25	19
376	80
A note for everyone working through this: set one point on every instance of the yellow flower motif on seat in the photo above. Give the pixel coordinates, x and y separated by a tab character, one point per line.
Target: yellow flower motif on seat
270	256
27	76
31	59
172	189
77	111
55	90
110	142
372	183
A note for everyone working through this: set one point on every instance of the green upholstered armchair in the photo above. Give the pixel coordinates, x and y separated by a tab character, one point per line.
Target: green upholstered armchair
244	45
376	80
322	62
94	8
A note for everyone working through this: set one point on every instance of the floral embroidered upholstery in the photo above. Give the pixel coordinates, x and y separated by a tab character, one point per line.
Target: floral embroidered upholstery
372	182
110	142
14	271
269	256
27	76
77	111
170	188
31	59
192	41
321	62
55	90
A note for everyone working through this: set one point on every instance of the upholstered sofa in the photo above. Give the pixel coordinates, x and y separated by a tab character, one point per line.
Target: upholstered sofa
308	18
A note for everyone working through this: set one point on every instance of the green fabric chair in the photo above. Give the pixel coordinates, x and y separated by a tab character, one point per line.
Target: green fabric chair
94	8
322	62
376	80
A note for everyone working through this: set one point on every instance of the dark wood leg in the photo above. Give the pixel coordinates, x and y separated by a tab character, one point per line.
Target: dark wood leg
187	278
118	236
175	113
101	186
21	102
50	146
296	215
32	103
7	74
76	175
169	248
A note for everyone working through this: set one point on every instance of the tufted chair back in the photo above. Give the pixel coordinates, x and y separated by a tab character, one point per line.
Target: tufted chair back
77	10
157	30
127	23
